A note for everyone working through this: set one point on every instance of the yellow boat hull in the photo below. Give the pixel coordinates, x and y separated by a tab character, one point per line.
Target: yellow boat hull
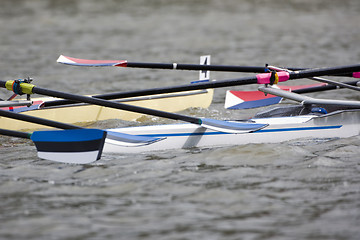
81	113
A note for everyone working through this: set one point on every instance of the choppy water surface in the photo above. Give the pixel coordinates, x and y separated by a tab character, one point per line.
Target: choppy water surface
292	190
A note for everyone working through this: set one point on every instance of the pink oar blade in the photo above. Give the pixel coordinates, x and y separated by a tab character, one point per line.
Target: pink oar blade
90	63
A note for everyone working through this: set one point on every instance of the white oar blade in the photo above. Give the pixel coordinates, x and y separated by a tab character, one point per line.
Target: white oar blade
79	146
231	127
128	140
90	63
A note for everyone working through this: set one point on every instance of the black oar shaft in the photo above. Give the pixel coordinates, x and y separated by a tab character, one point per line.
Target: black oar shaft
216	84
308	73
179	66
12	133
323	88
121	106
339	84
171	89
28	118
217	68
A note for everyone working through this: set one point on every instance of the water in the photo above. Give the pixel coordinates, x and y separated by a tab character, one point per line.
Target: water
292	190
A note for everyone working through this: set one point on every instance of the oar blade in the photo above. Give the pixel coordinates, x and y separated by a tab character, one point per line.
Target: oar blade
129	140
79	146
249	99
231	127
255	99
90	63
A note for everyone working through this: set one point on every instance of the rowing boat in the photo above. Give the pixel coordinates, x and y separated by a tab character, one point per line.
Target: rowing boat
312	119
163	99
338	124
85	113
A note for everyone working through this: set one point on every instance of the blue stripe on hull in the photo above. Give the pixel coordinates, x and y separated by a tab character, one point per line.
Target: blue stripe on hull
259	131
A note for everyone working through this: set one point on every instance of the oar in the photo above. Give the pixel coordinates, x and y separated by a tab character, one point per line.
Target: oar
124	63
325	87
255	99
339	84
204	76
189	87
78	146
320	79
305	100
122	139
223	126
217	125
75	144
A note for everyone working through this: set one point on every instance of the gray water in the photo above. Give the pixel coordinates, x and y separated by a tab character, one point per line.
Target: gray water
293	190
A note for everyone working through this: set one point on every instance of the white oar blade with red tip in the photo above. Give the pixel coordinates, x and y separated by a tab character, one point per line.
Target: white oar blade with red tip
90	63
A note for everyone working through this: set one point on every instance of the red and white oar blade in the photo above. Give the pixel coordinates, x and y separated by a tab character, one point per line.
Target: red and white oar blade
91	63
249	99
255	99
79	146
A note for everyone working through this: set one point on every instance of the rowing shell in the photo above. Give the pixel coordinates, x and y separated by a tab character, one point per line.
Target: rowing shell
81	113
339	124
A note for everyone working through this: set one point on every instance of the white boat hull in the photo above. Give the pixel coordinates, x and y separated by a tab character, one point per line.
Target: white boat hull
340	124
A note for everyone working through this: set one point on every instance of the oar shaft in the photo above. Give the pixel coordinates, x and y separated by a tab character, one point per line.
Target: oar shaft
170	89
323	88
120	106
12	133
204	85
339	84
315	72
179	66
36	120
216	84
219	68
176	66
